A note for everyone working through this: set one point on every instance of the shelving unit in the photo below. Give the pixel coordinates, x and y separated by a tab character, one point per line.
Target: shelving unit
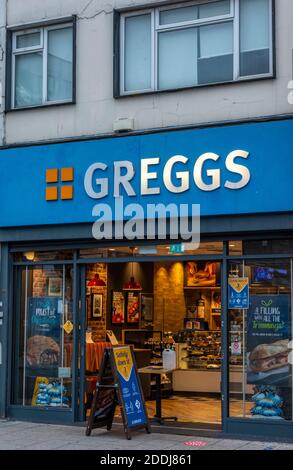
193	293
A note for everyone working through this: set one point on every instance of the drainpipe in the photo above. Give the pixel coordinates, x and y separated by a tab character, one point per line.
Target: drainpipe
3	319
3	12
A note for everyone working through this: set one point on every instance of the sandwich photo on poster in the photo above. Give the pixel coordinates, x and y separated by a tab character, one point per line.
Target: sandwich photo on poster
268	340
43	332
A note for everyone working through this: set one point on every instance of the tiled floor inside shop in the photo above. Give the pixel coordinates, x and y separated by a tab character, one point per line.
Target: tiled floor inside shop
196	409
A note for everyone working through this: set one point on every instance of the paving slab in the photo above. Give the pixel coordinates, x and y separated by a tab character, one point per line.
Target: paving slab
16	435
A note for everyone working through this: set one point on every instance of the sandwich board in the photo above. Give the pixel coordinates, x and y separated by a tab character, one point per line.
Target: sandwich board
118	384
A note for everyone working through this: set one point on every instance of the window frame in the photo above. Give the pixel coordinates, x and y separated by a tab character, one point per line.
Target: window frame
233	16
43	48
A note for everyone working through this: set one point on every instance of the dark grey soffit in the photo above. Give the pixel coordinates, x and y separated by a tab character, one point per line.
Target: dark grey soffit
211	227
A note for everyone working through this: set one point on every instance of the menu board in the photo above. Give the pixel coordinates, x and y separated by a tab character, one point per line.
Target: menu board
268	339
43	331
202	273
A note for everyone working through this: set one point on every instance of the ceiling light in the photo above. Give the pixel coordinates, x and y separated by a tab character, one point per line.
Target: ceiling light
29	255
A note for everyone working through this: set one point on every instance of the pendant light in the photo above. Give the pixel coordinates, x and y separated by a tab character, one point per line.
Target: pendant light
96	281
132	284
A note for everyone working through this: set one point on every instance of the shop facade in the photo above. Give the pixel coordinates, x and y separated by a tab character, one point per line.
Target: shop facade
53	267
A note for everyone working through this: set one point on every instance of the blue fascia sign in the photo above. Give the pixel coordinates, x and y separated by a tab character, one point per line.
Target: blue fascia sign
227	170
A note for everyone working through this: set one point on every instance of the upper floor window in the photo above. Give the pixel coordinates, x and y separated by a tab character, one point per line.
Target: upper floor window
42	66
195	43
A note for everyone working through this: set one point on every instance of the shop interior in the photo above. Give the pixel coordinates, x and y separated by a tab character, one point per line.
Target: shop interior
154	306
170	311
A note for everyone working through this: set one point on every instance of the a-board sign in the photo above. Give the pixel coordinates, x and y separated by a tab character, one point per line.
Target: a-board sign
118	383
131	393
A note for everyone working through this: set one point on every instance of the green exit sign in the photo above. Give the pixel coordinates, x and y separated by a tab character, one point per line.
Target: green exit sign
179	248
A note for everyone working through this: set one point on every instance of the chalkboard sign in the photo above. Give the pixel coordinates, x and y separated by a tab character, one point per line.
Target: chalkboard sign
118	383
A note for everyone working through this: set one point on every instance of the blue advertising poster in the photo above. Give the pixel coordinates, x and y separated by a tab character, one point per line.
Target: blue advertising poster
238	292
43	331
131	393
268	339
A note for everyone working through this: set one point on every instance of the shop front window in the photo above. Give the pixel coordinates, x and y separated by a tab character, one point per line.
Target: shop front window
260	340
167	249
43	336
260	247
37	256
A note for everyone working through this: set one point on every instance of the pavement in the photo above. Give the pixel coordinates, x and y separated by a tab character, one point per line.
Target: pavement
16	435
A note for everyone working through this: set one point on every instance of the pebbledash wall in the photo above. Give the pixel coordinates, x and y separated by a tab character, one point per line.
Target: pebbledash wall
253	117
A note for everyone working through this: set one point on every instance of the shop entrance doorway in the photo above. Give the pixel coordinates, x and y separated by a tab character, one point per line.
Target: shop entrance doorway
157	305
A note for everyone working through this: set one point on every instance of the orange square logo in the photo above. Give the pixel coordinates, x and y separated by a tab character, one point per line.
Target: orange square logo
60	190
66	192
66	174
52	175
52	193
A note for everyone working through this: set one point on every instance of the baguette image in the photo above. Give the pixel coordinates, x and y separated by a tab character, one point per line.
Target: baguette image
266	357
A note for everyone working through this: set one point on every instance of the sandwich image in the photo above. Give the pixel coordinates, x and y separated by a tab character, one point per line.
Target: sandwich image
42	350
266	357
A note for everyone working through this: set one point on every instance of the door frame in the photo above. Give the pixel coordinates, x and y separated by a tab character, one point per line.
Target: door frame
33	413
81	301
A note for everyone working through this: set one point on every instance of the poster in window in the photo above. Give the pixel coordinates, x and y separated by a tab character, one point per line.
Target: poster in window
147	308
268	340
97	306
201	273
132	307
118	308
55	286
43	332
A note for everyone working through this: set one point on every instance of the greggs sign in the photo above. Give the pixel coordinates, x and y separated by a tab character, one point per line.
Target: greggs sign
227	170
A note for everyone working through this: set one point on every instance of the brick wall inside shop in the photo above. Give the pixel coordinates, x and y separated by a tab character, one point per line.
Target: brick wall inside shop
40	281
169	301
97	325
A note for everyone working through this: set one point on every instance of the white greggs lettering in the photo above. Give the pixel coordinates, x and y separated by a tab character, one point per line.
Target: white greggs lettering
174	181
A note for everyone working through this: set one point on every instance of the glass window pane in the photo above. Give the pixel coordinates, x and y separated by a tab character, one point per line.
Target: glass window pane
28	79
214	9
254	37
43	256
177	58
137	53
267	247
260	368
235	247
177	15
215	62
60	64
258	247
43	347
28	40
